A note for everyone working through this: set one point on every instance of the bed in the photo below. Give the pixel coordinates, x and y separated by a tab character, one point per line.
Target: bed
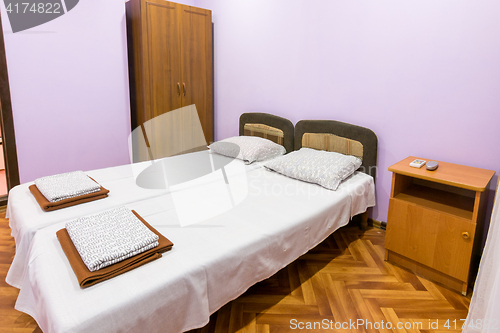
271	220
26	217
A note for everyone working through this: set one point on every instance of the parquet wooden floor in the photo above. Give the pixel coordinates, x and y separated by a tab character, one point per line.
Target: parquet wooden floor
340	283
11	320
343	279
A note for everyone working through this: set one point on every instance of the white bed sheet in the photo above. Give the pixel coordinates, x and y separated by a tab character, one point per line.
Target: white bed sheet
211	263
26	217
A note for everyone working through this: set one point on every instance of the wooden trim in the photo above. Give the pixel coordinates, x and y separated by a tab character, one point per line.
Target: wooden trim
375	223
193	12
131	45
333	143
427	272
478	200
159	5
461	176
280	123
7	123
213	85
477	248
399	183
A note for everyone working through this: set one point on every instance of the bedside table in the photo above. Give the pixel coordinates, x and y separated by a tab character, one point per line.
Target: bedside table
435	220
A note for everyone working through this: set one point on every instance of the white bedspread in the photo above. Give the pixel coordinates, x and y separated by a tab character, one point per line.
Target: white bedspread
211	263
26	217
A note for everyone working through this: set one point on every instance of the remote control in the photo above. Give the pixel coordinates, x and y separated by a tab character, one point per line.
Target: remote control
417	163
432	165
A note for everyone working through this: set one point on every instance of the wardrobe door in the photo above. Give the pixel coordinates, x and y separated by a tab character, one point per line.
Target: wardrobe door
197	64
163	57
162	65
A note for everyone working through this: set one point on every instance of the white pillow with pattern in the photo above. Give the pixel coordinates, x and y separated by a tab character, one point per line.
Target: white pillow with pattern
324	168
248	148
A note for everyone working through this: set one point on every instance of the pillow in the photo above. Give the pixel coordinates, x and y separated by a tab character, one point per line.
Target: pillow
248	148
320	167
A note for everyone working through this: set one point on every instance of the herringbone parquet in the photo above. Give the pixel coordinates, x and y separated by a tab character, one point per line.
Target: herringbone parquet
342	281
11	320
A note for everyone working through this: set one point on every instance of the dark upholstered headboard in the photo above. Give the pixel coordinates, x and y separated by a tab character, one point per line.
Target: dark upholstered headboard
265	125
340	137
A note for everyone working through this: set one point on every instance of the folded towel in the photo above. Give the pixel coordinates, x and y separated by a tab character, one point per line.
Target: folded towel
66	185
109	237
48	206
87	278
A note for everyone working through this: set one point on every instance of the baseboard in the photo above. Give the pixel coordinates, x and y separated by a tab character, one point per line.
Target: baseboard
356	220
3	200
377	224
427	272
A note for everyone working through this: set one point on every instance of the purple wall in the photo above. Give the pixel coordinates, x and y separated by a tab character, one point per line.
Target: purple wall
187	2
69	87
396	67
423	75
70	92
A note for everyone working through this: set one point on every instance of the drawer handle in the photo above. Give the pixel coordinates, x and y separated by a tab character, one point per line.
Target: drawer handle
465	235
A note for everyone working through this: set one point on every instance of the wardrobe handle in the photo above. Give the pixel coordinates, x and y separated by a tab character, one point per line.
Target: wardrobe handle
184	88
178	88
465	235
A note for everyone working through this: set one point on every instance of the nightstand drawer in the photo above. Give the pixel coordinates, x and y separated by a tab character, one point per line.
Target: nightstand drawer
440	241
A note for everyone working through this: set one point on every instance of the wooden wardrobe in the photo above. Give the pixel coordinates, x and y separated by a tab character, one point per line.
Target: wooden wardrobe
170	67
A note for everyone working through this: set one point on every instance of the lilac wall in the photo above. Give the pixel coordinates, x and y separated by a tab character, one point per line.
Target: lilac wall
396	67
424	75
187	2
69	87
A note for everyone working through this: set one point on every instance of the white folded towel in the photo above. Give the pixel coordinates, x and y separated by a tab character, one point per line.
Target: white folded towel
66	185
109	237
